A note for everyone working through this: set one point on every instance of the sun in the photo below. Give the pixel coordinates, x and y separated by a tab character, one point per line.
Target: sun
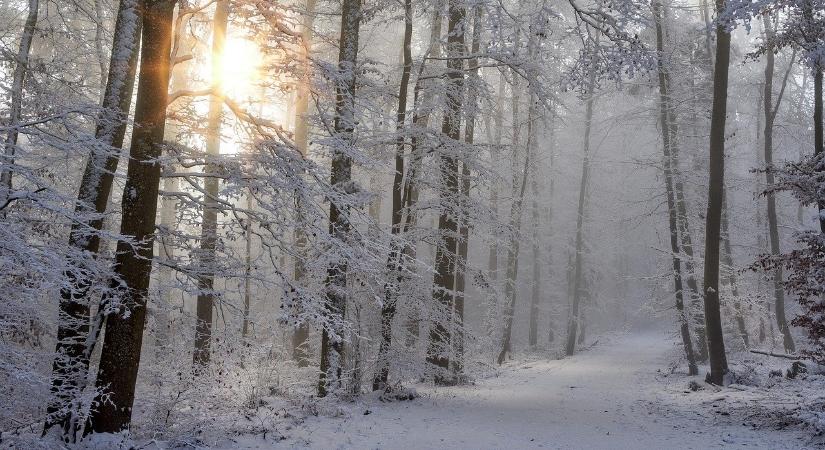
239	67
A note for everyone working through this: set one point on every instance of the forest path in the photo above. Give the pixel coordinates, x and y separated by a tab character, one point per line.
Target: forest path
607	397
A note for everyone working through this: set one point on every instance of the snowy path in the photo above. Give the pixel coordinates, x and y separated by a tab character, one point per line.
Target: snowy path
606	397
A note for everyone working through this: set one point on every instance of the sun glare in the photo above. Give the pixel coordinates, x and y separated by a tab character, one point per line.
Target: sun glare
239	67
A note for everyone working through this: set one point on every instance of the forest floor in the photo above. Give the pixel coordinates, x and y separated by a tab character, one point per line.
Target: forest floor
618	394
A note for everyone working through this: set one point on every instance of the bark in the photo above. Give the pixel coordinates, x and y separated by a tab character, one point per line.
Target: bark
16	105
73	349
120	356
332	343
716	184
667	142
513	252
247	280
492	262
519	188
394	260
818	134
573	320
420	120
300	335
447	250
464	228
727	260
773	228
535	295
209	225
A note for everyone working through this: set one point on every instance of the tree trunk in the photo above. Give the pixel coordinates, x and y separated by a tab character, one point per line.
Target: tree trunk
727	260
667	142
535	297
513	250
247	279
395	258
73	350
519	188
21	67
716	185
492	262
773	228
300	335
209	226
573	320
332	343
120	355
420	120
818	132
447	250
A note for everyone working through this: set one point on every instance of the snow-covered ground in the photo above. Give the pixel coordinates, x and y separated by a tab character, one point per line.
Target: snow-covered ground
618	394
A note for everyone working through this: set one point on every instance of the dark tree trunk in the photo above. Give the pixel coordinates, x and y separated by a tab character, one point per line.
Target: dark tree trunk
395	258
773	227
120	355
209	226
667	140
332	344
716	185
818	134
73	349
447	250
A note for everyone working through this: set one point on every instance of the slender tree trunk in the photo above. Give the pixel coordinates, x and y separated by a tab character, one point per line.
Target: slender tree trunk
73	348
818	134
447	250
120	355
519	188
16	106
247	280
464	228
492	264
716	185
727	260
513	251
209	226
300	335
535	297
573	320
420	120
395	258
773	227
667	141
332	343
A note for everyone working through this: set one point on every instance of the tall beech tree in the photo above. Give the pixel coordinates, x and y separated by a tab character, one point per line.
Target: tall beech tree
332	339
716	187
73	350
126	308
447	249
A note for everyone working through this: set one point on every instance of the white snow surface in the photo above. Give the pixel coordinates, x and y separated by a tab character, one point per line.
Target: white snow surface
618	394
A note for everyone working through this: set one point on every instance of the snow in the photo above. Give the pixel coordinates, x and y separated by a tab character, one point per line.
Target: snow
615	395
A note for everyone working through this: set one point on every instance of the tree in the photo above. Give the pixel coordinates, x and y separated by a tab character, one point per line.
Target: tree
667	142
447	250
716	186
332	339
770	111
394	260
126	308
16	106
72	350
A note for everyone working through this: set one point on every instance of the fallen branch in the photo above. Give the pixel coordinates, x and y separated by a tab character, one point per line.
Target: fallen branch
778	355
